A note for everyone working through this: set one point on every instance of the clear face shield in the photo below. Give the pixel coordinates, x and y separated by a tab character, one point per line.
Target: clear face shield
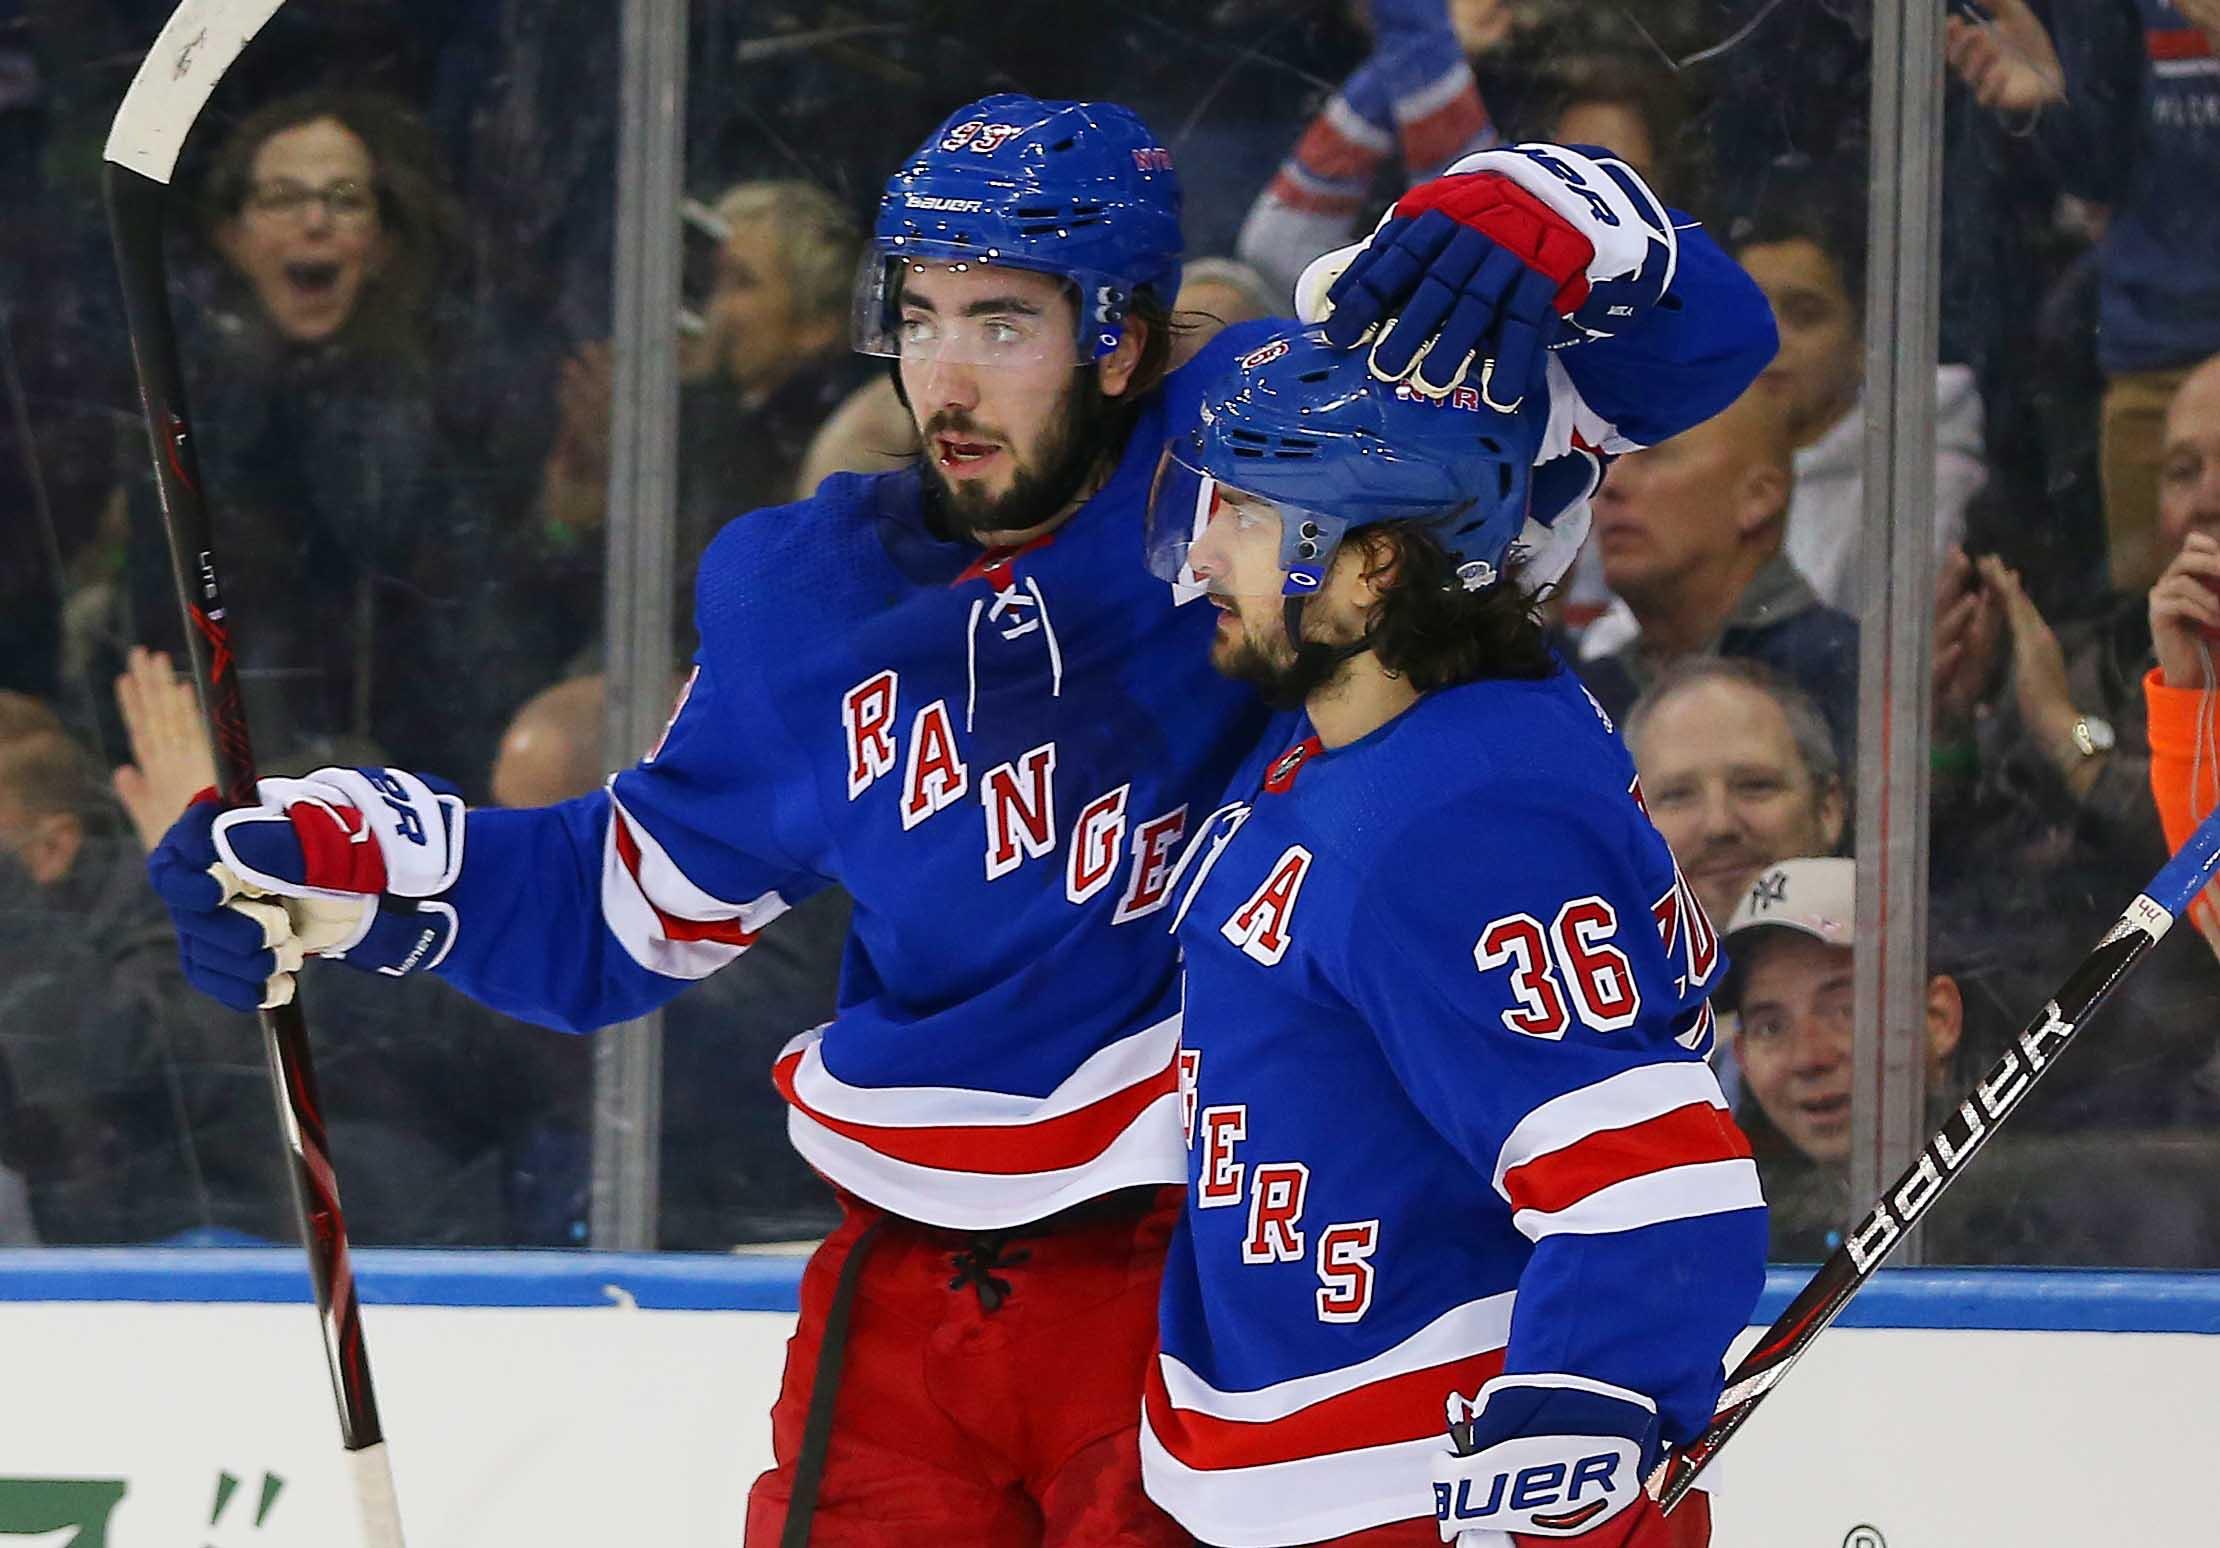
941	312
1206	536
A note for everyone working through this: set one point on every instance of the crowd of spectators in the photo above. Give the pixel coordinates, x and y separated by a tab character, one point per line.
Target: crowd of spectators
393	297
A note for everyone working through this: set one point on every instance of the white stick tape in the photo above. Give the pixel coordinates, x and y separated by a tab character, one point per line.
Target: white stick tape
378	1505
175	80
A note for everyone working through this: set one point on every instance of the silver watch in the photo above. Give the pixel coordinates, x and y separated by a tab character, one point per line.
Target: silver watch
2092	735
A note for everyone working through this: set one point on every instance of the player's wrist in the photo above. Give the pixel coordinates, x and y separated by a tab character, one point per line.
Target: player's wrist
1550	1455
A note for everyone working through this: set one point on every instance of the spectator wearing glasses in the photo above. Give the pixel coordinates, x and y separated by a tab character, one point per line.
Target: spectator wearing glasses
1790	987
363	474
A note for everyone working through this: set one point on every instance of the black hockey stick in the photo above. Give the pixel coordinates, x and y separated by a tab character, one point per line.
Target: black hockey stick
1946	1155
195	48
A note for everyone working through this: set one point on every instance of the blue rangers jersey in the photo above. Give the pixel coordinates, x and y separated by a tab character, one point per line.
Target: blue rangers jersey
1448	1112
999	755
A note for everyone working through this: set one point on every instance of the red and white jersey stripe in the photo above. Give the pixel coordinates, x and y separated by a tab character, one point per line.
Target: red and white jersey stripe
972	1159
1318	1456
1647	1145
664	922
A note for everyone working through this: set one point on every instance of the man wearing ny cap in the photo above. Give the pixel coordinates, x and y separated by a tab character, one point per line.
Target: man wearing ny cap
1790	983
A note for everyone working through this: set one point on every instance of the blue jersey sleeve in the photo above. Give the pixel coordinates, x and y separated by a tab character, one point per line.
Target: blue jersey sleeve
1546	1010
1693	353
599	909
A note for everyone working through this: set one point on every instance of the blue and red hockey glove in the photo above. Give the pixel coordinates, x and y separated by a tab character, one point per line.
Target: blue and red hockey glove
1551	1460
1512	252
347	864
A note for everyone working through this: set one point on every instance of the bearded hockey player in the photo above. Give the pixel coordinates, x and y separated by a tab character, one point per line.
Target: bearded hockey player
955	691
1452	1139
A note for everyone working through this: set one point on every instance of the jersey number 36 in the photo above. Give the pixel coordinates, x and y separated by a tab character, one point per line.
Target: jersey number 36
1564	969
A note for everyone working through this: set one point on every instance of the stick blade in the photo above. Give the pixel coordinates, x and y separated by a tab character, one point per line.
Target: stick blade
196	46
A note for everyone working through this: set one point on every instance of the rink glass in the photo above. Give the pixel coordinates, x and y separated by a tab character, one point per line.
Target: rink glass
418	538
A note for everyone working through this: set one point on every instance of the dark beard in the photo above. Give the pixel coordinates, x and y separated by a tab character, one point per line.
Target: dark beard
1081	437
1284	676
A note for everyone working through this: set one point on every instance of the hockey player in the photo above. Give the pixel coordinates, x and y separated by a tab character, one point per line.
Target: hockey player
1452	1138
955	690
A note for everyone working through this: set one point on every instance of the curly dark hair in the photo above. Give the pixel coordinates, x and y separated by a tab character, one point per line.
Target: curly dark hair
1429	629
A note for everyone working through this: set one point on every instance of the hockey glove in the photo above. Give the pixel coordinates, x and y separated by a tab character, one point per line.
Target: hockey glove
1552	1460
347	863
1515	251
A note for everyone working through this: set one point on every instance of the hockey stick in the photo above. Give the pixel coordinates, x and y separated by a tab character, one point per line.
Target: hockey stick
1945	1155
195	48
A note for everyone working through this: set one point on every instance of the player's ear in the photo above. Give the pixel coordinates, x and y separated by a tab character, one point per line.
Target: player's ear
1115	371
1380	564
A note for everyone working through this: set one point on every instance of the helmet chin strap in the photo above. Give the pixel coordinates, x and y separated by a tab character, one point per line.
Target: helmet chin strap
1316	661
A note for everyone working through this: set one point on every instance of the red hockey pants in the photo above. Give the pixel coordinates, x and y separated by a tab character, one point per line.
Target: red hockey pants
1001	1412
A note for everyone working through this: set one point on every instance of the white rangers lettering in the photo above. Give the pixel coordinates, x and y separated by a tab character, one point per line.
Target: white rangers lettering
866	711
1097	840
935	778
1223	1128
1276	1190
1345	1270
1190	1077
1021	824
1148	887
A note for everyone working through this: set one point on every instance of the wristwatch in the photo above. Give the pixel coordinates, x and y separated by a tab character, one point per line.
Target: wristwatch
2092	735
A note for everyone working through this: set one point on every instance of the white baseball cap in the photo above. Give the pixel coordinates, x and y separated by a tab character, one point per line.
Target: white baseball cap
1815	897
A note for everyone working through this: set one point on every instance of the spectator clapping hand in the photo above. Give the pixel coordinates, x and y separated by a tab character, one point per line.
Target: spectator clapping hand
2185	612
1969	623
171	762
2008	60
2046	702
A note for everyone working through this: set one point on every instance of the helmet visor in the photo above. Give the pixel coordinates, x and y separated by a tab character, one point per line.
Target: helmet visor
953	311
1209	536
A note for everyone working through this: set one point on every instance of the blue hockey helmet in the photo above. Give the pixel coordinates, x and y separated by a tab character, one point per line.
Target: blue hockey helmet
1080	190
1301	434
